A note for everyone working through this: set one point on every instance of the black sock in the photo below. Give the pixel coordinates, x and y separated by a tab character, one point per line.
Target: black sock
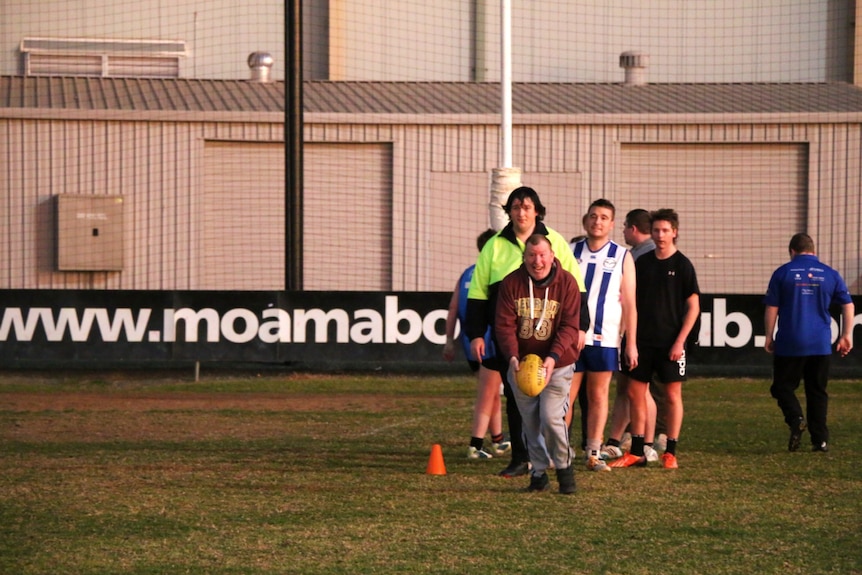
671	446
477	442
614	442
637	445
497	438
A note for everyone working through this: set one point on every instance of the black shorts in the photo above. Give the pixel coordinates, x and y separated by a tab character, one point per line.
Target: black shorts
654	360
496	364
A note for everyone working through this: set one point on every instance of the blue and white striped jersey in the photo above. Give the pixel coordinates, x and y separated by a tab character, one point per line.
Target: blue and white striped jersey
603	273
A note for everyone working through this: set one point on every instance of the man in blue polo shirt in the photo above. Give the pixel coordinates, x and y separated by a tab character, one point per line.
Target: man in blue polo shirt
799	296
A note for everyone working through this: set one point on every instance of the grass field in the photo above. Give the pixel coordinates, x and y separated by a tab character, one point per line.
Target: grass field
155	473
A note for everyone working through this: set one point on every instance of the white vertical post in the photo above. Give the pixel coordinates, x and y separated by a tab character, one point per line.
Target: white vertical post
506	84
506	177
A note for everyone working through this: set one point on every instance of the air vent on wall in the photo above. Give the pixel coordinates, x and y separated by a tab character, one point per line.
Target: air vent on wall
102	57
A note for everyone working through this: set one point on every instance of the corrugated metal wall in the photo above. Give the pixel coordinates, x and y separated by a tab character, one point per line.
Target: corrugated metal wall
156	166
439	191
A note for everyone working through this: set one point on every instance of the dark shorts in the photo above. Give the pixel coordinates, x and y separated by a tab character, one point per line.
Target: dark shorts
595	359
654	360
496	364
474	365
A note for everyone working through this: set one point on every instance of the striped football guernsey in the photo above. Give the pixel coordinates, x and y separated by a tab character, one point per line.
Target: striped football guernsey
603	273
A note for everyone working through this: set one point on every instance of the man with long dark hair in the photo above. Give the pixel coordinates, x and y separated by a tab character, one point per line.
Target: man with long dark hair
502	255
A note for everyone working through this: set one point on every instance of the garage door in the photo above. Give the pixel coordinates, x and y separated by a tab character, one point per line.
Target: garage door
739	204
242	217
347	221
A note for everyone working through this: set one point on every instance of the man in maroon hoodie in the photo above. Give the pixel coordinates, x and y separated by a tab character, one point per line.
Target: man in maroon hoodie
538	311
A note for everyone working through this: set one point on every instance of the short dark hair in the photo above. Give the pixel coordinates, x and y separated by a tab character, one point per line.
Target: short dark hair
603	203
801	243
483	238
523	193
639	219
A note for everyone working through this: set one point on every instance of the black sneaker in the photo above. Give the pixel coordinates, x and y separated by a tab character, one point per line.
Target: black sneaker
820	447
566	479
516	469
796	434
539	483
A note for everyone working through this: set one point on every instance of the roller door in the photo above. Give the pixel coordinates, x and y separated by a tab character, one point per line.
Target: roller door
739	204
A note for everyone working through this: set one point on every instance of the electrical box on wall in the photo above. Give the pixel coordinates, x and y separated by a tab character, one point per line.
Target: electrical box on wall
89	233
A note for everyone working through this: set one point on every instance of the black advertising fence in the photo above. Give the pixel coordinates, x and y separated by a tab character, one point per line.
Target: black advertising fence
304	330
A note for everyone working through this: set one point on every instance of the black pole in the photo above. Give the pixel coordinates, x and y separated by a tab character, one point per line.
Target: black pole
293	141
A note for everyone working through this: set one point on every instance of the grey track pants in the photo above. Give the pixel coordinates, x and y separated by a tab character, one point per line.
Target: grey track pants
544	416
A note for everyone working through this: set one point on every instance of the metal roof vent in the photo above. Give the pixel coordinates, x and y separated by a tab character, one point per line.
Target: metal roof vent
635	64
261	65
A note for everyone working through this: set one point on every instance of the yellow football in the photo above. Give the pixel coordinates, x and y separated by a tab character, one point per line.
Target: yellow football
530	376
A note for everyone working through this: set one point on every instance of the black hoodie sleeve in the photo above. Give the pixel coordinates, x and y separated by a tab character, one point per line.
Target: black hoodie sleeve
477	318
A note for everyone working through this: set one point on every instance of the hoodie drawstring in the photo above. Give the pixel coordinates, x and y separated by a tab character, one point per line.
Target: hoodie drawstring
532	305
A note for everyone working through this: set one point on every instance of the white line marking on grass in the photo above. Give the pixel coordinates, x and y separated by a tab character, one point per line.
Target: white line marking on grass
390	426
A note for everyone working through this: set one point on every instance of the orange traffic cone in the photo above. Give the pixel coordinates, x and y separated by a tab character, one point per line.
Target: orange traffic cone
435	462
